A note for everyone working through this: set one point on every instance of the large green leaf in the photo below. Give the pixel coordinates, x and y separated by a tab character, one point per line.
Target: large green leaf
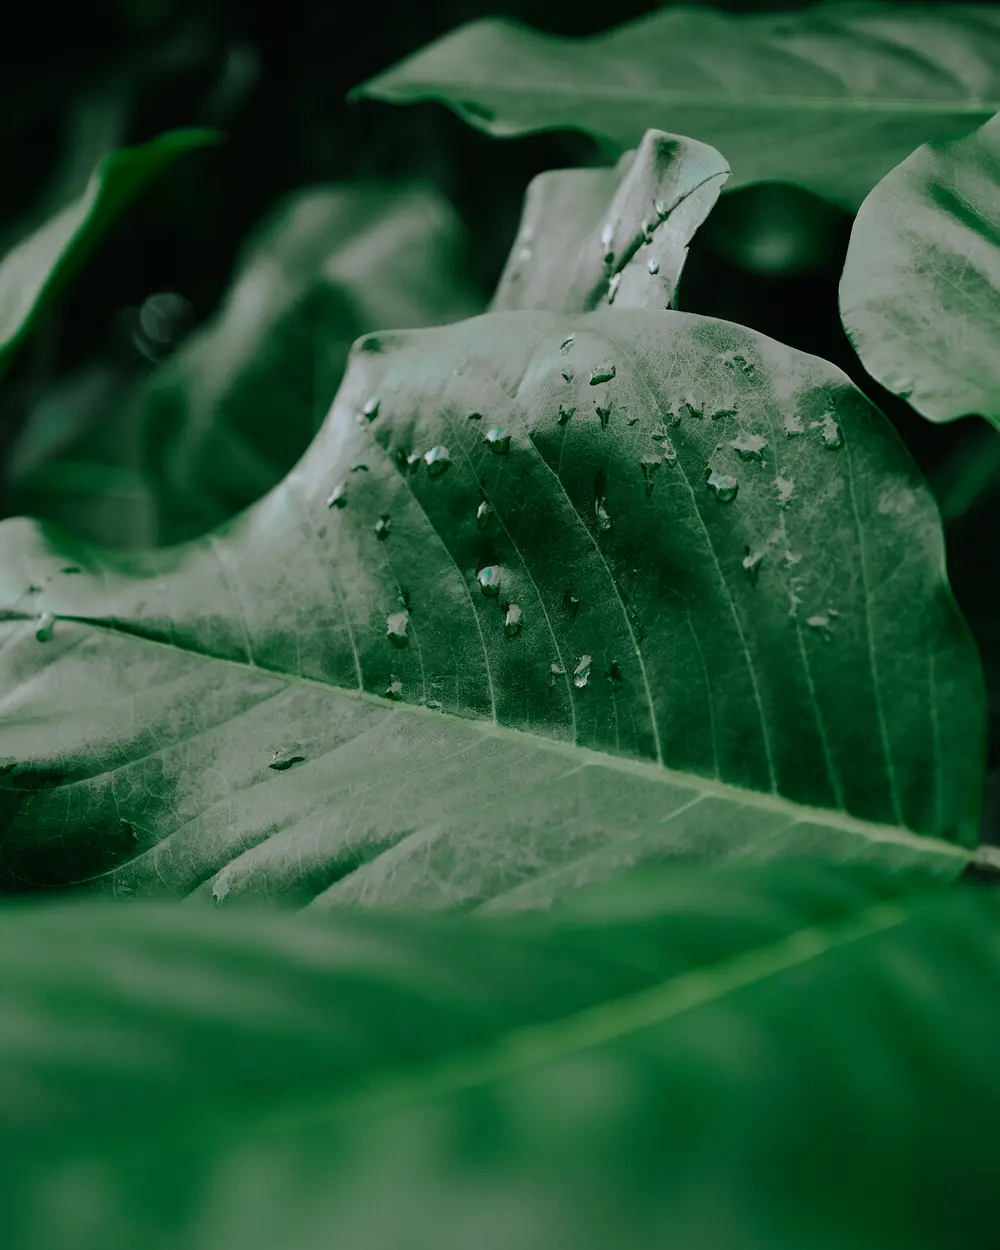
666	669
732	1061
830	98
235	407
918	295
34	268
589	237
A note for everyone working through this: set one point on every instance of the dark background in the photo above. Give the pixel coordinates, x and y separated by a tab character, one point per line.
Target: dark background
79	80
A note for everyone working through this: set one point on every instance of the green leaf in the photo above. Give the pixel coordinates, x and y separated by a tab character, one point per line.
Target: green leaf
31	272
319	699
830	98
229	414
588	237
727	1060
918	291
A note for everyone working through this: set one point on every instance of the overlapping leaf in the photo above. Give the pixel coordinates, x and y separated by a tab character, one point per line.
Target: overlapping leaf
920	292
726	1060
830	97
721	626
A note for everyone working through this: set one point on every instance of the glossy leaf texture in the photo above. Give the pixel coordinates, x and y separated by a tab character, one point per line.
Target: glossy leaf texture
729	1060
590	237
547	595
920	291
32	270
233	409
830	97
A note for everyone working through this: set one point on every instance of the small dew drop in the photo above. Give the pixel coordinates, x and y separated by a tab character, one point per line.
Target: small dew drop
359	468
567	375
650	465
394	690
567	343
581	674
483	514
438	460
653	266
614	676
690	406
220	890
752	562
724	486
489	580
44	626
396	626
667	449
603	520
749	446
555	670
512	621
602	373
830	431
565	414
630	421
475	416
613	285
735	361
129	830
338	496
498	440
383	527
604	413
571	602
726	409
821	623
284	758
793	425
786	488
371	407
606	236
791	558
71	568
662	208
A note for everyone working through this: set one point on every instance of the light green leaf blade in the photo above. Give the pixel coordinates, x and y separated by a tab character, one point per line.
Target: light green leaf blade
829	98
229	414
306	702
735	1060
32	270
589	237
918	295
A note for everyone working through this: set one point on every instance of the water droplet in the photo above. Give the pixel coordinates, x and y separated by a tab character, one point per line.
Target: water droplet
604	413
555	670
359	468
830	431
630	421
220	889
483	514
512	621
749	446
498	440
662	208
338	496
614	676
284	758
726	409
793	425
646	230
581	674
606	236
667	449
567	343
603	520
475	416
791	558
565	414
383	527
735	361
821	623
690	406
613	284
404	599
567	375
129	830
489	580
570	601
438	460
524	255
725	487
394	690
396	626
649	465
164	319
370	410
71	568
752	562
436	704
602	373
653	266
44	626
786	488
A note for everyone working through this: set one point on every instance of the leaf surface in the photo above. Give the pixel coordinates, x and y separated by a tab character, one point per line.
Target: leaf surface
736	1059
589	237
919	292
829	98
334	696
31	271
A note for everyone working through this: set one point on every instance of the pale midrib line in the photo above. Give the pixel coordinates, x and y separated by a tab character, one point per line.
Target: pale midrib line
524	565
465	586
869	639
639	373
629	95
234	598
830	817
